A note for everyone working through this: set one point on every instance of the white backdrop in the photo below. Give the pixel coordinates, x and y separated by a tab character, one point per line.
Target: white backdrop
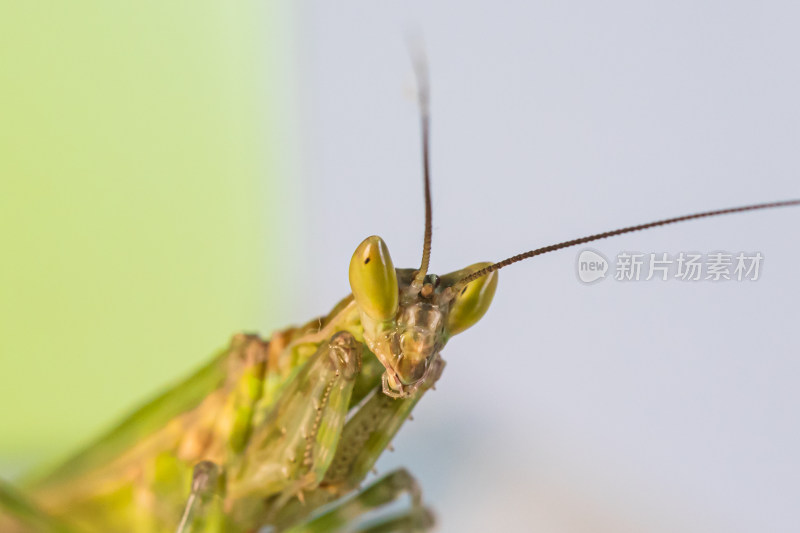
649	406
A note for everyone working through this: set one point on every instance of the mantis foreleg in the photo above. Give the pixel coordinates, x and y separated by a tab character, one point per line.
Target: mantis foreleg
368	432
291	451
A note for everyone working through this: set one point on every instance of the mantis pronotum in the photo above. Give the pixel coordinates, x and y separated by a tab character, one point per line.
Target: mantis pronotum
270	431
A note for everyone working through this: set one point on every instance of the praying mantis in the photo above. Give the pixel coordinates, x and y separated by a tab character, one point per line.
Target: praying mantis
282	432
207	471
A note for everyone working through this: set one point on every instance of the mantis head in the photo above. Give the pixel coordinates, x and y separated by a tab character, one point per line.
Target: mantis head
408	317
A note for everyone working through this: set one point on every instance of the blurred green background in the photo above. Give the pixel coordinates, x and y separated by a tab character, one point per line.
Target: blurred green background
140	204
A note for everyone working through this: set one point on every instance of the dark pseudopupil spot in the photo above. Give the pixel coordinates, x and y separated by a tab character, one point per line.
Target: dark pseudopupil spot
366	260
463	291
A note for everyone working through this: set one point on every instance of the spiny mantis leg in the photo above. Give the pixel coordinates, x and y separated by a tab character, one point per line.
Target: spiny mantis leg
25	513
383	491
370	431
417	520
290	451
204	500
366	435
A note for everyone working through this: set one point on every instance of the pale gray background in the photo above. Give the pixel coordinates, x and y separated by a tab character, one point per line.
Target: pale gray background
639	407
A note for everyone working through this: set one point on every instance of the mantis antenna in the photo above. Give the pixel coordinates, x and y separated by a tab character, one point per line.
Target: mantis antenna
566	244
423	92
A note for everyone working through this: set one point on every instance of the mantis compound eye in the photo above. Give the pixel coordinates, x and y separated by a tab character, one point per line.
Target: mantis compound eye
472	301
373	280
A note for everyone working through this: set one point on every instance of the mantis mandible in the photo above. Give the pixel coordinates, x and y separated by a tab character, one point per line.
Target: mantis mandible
282	432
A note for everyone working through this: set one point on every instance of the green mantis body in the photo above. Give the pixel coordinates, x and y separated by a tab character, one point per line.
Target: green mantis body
271	430
266	420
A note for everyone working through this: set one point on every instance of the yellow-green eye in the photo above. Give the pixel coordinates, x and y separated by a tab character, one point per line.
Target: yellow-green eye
472	301
373	279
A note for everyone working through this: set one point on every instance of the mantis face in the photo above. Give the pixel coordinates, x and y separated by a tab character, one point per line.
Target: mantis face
407	321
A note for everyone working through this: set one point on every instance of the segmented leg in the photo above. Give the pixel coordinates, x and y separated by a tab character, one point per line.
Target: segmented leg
416	520
382	492
289	453
368	432
203	505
